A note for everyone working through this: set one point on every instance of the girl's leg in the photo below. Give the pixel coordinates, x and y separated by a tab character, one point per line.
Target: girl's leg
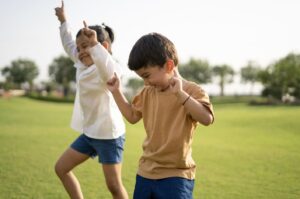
112	173
68	160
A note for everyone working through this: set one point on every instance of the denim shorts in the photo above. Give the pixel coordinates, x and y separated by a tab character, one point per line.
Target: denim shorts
109	151
173	188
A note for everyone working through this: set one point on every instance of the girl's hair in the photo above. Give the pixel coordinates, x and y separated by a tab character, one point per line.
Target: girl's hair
110	32
152	49
104	33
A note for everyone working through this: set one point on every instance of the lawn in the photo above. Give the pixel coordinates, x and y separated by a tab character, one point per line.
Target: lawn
249	152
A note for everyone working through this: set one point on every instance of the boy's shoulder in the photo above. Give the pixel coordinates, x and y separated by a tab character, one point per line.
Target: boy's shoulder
190	86
146	89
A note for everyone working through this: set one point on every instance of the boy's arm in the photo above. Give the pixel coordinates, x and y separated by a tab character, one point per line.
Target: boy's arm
124	106
65	34
196	109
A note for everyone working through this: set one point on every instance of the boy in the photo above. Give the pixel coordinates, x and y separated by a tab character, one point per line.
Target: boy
170	108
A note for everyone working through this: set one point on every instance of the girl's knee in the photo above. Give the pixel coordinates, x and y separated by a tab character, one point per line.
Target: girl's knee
59	169
114	187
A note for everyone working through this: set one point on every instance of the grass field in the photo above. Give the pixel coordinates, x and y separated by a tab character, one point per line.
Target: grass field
249	152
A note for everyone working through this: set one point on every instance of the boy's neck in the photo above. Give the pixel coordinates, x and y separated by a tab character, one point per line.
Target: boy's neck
165	89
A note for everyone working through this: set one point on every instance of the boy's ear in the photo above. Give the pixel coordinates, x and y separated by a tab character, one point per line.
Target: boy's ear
170	65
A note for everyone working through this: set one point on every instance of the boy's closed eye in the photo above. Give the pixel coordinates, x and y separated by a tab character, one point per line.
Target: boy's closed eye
145	75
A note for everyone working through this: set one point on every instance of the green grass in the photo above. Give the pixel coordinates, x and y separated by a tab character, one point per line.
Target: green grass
249	152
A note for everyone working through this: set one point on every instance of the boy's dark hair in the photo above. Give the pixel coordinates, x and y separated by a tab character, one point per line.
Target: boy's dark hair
152	49
104	33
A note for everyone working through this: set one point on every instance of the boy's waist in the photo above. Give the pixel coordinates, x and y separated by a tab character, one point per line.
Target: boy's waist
152	169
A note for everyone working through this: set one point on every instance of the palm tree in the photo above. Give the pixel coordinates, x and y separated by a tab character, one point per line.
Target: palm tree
225	74
249	73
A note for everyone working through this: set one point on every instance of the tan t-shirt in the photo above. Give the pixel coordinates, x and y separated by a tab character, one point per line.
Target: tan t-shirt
167	147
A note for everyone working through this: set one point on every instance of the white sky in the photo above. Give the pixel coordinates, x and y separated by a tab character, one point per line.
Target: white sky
221	31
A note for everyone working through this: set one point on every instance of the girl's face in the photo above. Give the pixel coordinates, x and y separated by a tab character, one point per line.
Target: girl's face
82	47
155	76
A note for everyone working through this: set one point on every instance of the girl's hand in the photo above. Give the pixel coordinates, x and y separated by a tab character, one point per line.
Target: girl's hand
114	83
176	85
60	13
90	34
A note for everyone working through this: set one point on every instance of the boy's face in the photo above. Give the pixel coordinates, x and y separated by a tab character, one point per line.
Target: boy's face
155	76
82	43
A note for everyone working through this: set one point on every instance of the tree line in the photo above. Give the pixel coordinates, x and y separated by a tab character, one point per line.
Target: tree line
279	78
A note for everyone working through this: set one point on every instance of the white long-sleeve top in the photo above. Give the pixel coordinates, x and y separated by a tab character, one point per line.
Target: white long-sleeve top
95	112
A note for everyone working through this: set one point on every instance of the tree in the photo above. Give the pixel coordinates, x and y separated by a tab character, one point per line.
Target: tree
62	71
282	77
225	74
249	73
20	71
198	71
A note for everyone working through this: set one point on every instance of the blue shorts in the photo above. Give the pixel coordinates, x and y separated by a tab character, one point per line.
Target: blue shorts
173	187
108	151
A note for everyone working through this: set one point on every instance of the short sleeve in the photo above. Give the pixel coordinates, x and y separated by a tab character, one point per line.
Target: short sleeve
201	96
137	103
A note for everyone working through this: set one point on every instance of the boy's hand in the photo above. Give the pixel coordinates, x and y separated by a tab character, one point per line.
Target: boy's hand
90	34
60	13
114	83
176	73
176	85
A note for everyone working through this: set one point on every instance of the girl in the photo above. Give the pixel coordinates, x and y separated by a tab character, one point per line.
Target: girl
95	114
